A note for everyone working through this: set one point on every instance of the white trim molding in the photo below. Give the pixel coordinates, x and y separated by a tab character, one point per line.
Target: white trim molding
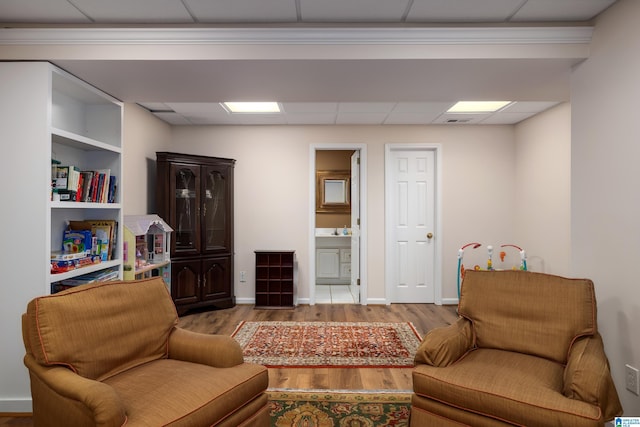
298	36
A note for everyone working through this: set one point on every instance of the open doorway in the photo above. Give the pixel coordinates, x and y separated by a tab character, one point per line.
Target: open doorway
337	273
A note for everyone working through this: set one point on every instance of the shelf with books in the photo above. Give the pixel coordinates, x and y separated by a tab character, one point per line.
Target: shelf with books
86	138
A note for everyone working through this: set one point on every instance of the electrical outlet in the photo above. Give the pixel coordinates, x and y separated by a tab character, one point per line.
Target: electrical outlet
243	276
632	379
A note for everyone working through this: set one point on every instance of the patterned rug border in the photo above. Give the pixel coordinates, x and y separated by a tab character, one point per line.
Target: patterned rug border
245	331
379	396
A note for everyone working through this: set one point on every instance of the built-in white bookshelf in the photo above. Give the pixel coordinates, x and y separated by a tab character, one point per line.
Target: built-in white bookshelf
46	113
86	132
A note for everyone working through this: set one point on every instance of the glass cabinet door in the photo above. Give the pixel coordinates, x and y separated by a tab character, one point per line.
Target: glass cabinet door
216	231
186	179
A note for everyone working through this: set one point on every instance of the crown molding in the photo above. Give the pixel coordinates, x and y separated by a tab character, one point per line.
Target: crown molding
297	36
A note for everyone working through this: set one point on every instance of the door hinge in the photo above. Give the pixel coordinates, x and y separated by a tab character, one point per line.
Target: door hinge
358	282
358	222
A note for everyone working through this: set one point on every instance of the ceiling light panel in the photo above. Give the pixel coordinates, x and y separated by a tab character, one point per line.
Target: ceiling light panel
251	107
477	106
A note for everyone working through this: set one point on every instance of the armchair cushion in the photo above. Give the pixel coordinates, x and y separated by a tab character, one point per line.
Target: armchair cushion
531	313
95	334
518	388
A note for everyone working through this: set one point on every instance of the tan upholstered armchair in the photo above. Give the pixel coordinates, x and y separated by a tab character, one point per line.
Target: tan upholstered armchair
525	351
110	354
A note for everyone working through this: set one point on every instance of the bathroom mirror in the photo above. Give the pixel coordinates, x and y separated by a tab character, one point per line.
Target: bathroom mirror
332	191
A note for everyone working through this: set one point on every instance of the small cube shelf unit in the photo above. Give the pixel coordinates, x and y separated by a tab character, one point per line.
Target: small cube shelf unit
275	282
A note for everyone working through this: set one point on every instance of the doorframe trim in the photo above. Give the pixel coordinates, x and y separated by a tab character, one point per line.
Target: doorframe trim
311	279
437	149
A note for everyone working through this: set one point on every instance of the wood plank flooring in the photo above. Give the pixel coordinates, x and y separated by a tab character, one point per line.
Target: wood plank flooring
423	316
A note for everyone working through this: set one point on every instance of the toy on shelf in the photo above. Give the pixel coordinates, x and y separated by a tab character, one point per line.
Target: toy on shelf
490	265
146	247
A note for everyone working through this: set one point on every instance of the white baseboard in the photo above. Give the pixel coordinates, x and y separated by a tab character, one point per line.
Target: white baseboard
245	301
18	406
376	301
449	301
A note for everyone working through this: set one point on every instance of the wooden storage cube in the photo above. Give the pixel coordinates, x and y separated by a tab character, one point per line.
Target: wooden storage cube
275	279
262	286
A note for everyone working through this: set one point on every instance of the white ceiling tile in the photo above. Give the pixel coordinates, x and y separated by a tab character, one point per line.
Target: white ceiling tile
411	118
366	107
421	107
361	118
196	107
353	10
243	10
172	118
462	10
41	11
529	107
310	107
506	118
135	11
156	106
564	10
311	118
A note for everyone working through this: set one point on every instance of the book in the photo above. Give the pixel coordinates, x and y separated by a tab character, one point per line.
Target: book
87	180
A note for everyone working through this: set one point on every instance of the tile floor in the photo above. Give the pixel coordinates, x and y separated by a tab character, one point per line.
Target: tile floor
334	294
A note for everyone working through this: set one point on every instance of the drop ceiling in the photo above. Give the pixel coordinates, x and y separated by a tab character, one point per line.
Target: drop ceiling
327	62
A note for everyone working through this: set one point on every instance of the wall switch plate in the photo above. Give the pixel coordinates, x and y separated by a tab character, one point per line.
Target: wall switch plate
632	379
243	276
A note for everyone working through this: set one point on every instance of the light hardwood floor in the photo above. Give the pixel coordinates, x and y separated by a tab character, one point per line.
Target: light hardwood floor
423	316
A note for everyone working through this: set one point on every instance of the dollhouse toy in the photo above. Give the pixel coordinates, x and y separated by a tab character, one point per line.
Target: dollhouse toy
147	243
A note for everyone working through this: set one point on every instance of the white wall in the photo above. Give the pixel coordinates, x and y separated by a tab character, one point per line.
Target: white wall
272	196
605	206
144	134
543	190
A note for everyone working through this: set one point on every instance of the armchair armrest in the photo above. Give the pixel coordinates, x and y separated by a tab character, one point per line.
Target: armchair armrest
99	399
219	351
443	346
587	376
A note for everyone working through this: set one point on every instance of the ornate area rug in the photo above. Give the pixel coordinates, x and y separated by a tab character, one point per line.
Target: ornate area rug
328	344
328	408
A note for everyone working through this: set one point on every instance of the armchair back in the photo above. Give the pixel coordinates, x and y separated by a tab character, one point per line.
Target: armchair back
103	329
528	312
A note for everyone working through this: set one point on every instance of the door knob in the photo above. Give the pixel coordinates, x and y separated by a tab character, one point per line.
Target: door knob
429	236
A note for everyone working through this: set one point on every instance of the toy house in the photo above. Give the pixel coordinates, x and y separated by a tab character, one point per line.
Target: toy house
147	243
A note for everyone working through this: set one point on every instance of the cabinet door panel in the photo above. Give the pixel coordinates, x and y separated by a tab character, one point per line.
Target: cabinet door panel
216	213
216	278
185	276
328	263
184	215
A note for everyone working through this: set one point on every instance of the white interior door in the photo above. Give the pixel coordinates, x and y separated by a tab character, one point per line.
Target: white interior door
355	226
410	207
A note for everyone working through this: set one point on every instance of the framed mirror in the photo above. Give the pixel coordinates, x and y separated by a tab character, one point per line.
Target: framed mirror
333	191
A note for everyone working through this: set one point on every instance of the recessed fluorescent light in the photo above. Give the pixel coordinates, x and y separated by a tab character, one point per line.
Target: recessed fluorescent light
477	106
251	107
